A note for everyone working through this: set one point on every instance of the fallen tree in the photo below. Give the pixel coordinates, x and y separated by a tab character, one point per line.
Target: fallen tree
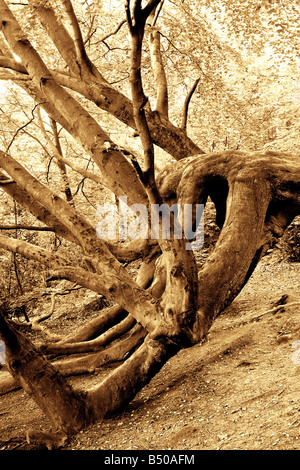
171	304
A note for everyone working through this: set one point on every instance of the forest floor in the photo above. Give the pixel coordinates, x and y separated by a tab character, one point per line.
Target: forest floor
238	390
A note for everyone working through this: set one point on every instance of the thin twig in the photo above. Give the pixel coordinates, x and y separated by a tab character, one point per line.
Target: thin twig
116	30
26	227
90	33
21	128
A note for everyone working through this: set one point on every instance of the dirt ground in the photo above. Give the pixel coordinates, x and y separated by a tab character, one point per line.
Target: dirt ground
238	390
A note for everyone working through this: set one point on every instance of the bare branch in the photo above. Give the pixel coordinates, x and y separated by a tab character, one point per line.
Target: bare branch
50	259
90	32
59	156
72	51
72	165
128	14
113	279
115	31
156	14
57	33
117	172
12	64
106	97
136	22
36	93
140	100
60	163
150	7
137	17
186	104
78	40
34	207
27	227
14	76
175	255
159	74
85	64
20	129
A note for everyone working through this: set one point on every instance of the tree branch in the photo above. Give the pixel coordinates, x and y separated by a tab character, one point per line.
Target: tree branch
156	13
149	8
56	149
167	136
21	128
34	207
57	33
115	31
78	40
60	162
71	164
27	227
136	24
186	104
177	259
162	102
12	64
47	258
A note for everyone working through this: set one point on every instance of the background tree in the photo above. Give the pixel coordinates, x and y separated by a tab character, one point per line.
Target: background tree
74	96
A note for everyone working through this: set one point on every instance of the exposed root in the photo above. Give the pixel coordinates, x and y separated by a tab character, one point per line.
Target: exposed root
36	323
105	320
72	366
91	345
113	354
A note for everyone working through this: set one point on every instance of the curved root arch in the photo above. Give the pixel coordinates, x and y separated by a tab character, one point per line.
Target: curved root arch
256	196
